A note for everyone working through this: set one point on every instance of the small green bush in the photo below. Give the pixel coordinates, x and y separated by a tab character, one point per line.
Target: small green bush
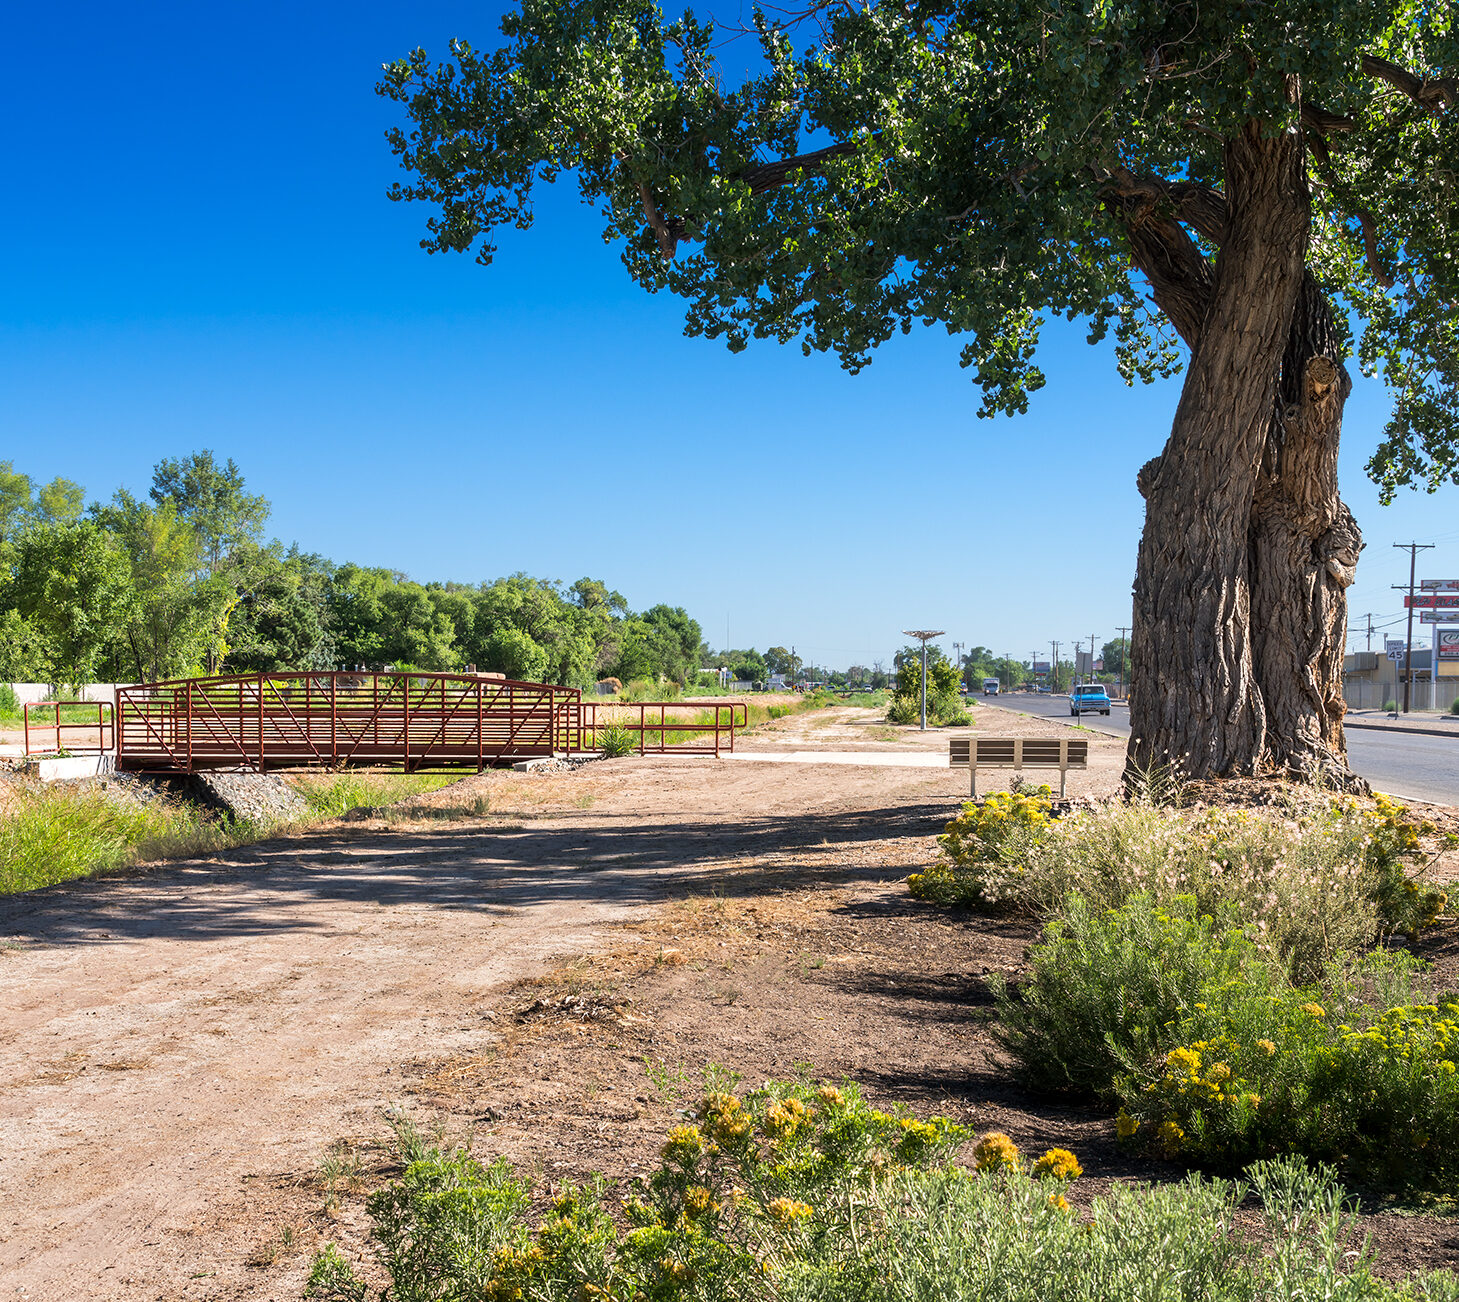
617	741
1391	707
1454	706
1107	989
9	702
1216	1057
984	850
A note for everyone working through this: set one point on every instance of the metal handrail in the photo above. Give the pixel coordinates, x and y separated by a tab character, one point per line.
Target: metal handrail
105	726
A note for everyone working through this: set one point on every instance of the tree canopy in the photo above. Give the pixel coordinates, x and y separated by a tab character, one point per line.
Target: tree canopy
979	167
186	582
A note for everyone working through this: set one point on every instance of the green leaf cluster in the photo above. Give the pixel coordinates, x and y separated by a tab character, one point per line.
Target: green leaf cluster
967	167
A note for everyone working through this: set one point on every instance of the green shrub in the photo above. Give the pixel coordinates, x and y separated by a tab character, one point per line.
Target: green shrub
1216	1057
1106	990
617	740
1390	707
1321	1072
1454	706
810	1196
904	709
9	702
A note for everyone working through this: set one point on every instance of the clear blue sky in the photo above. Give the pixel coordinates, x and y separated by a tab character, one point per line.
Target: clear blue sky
197	252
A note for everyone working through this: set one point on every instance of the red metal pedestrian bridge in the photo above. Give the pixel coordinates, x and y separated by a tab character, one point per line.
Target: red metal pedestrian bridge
413	721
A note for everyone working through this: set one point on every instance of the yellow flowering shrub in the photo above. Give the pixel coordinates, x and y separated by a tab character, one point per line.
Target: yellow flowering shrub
1057	1164
1378	1096
995	1151
981	850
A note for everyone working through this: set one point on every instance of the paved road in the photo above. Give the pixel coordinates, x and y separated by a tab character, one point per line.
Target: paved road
1403	764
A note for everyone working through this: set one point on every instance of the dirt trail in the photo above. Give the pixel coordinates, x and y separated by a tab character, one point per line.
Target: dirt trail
178	1048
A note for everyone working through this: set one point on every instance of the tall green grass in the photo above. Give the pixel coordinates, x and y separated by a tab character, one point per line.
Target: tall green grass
332	795
52	834
55	834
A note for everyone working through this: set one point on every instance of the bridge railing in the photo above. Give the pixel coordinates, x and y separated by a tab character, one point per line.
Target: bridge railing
270	721
662	727
87	728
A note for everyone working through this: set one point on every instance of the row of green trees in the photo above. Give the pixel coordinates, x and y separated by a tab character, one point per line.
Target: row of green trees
184	581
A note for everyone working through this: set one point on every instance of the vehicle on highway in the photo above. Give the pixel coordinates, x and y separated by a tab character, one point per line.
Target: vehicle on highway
1088	698
990	687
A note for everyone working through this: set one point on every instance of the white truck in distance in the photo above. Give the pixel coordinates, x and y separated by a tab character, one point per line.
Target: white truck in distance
990	687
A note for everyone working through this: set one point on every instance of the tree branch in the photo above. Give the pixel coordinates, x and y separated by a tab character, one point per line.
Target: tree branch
769	176
1431	95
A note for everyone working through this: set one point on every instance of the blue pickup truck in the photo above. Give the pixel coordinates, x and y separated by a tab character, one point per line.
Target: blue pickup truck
1088	698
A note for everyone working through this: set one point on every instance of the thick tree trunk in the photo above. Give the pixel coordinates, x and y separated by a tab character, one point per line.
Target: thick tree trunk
1304	551
1194	706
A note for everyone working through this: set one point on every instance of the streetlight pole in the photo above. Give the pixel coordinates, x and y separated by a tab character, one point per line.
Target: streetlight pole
924	636
1124	653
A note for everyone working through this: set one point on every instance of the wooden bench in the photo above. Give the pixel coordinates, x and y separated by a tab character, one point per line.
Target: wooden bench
1062	753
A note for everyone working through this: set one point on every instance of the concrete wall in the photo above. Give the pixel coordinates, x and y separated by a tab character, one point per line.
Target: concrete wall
27	693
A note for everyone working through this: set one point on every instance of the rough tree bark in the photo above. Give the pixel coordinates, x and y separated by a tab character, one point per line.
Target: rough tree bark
1304	542
1304	552
1194	703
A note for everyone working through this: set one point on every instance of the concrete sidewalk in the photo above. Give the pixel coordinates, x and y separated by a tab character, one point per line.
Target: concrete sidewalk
1426	725
922	759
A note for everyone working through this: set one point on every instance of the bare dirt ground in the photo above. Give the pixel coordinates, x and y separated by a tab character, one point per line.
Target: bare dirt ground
182	1049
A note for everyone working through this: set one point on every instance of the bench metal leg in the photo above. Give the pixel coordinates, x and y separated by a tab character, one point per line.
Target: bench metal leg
1063	776
973	781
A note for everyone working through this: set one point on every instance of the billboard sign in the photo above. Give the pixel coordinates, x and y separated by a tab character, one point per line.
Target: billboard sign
1393	648
1438	617
1041	666
1433	601
1439	585
1446	643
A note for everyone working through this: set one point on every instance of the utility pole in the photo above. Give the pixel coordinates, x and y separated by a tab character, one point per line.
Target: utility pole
1124	653
1054	667
957	648
1413	549
1369	631
924	636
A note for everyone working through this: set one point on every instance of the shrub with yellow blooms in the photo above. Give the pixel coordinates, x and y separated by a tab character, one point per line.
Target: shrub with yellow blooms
982	851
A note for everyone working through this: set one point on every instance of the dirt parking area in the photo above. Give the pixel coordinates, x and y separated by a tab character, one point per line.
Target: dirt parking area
198	1060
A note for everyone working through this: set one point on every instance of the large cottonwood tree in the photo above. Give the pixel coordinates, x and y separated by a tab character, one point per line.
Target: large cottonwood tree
1224	186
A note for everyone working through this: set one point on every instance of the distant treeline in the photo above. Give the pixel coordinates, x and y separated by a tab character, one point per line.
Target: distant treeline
184	582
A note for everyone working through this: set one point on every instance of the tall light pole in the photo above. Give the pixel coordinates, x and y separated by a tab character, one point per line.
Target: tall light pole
924	636
1124	653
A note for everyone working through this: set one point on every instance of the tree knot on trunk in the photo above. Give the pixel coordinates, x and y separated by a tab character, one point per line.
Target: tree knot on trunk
1145	477
1339	548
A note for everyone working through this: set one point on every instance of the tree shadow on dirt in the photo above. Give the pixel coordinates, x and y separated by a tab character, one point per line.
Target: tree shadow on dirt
274	886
